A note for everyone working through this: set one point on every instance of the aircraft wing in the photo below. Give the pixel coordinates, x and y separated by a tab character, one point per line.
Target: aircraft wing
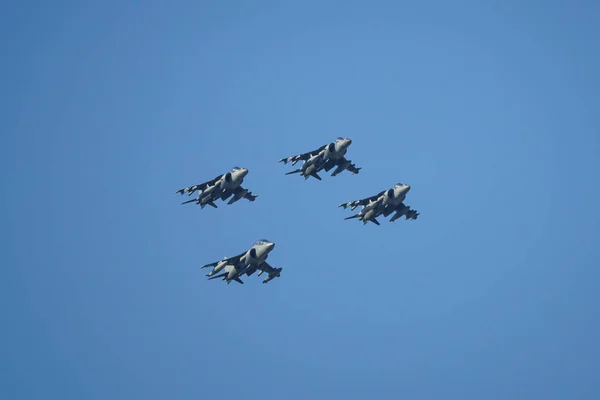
342	164
201	186
329	164
353	168
303	157
265	267
390	209
230	260
226	194
248	196
362	202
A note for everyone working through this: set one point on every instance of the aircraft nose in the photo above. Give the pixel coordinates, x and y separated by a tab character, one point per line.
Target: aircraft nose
270	246
244	172
407	188
348	142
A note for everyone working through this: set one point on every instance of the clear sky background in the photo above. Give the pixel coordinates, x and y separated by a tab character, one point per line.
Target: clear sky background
489	110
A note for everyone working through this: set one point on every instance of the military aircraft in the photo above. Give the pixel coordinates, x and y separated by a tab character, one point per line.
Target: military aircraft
383	203
328	156
247	263
220	187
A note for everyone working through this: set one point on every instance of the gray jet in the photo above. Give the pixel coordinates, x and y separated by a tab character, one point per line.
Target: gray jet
383	203
247	263
220	187
324	158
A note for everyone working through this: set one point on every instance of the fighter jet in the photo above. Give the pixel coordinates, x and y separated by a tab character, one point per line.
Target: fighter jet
247	263
383	203
220	187
329	156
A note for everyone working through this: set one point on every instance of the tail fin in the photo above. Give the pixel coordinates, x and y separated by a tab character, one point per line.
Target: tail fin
315	175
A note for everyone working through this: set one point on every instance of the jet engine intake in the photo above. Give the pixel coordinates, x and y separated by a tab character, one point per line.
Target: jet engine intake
330	150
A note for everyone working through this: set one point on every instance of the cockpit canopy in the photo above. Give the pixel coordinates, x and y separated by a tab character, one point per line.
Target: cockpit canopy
236	169
260	242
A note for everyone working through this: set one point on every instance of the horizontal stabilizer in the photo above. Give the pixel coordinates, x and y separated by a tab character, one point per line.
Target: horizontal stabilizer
189	201
315	175
217	276
293	172
238	280
352	216
209	265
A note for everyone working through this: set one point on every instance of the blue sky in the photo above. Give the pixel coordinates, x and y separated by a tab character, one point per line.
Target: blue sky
489	110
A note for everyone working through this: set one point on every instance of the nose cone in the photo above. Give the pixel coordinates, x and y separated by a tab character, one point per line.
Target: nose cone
347	142
270	246
406	188
243	172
